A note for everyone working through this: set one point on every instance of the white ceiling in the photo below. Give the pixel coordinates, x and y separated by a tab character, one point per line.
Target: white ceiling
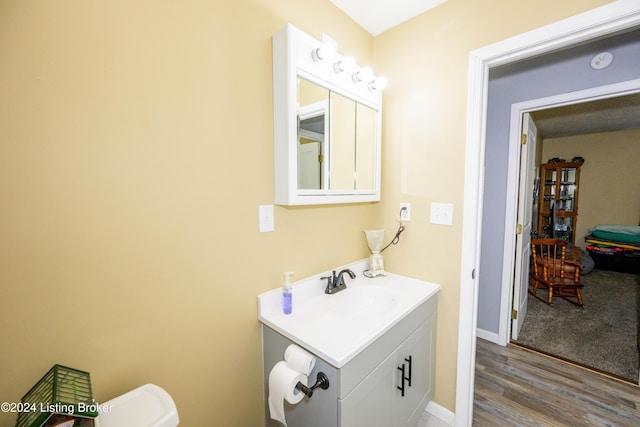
605	115
377	16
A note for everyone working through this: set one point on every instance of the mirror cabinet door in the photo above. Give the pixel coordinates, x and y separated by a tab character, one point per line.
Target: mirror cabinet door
342	125
313	119
366	120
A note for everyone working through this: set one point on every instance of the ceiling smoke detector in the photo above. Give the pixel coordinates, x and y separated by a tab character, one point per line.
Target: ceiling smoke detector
601	60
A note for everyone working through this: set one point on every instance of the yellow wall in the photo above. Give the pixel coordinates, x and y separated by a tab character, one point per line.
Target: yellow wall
135	147
136	143
609	177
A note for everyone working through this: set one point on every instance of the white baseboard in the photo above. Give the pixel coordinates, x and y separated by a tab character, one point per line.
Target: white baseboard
487	335
438	416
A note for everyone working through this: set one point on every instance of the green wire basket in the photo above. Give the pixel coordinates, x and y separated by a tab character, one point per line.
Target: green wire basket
62	394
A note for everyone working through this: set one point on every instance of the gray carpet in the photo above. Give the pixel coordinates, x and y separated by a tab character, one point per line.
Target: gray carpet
602	335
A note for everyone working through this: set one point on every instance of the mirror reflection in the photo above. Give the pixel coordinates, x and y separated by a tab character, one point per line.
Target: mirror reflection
336	140
313	117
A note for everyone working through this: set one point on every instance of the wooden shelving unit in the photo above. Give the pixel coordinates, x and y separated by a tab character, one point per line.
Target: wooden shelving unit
559	185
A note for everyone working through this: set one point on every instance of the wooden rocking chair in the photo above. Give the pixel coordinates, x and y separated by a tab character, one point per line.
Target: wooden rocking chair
551	270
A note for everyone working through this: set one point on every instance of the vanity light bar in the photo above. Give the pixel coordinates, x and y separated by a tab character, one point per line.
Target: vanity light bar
326	51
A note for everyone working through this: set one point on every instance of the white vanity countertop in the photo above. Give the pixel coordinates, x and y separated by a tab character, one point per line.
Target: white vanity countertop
327	328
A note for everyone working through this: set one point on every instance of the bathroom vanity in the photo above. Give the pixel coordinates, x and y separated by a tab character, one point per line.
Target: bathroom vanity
375	341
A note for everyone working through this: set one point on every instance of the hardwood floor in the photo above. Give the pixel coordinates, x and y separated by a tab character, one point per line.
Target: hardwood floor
518	387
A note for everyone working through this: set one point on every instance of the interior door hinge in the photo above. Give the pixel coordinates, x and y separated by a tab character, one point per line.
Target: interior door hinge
523	139
519	229
514	314
320	158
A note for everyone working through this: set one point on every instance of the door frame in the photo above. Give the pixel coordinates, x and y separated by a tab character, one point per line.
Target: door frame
599	22
517	110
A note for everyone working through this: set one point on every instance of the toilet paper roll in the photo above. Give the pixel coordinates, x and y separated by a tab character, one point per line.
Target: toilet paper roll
299	359
282	385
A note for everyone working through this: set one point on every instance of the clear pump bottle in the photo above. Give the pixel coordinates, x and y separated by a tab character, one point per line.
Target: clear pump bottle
287	301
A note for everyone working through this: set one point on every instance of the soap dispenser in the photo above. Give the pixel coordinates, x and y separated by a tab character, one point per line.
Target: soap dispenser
287	306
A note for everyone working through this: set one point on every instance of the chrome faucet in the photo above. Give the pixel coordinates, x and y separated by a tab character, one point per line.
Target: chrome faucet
335	282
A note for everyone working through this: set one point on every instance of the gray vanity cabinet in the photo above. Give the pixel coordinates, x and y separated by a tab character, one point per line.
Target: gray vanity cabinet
397	391
372	389
420	347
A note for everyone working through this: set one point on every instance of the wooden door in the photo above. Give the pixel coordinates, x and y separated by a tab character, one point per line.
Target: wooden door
525	219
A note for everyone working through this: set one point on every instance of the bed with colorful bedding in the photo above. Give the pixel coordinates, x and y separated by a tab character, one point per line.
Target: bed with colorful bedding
615	247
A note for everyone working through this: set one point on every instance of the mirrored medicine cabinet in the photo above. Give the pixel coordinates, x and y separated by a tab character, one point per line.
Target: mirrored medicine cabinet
326	127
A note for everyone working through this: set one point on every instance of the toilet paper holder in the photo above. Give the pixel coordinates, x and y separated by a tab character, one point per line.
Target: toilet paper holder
321	381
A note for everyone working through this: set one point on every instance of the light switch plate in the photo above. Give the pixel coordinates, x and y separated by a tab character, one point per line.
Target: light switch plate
265	216
442	213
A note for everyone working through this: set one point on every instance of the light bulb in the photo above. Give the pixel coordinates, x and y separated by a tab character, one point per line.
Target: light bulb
325	51
363	75
378	84
345	64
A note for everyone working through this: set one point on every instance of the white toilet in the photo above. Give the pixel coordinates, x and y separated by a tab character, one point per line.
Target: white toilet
146	406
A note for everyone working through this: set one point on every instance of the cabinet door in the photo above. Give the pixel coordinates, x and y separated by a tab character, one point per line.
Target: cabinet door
549	184
370	403
568	190
417	356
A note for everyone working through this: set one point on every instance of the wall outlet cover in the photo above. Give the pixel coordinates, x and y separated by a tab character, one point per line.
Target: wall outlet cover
405	211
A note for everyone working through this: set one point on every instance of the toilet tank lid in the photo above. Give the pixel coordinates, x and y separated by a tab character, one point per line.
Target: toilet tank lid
148	405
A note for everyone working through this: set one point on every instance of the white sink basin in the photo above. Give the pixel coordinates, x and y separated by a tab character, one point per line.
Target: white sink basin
362	302
337	327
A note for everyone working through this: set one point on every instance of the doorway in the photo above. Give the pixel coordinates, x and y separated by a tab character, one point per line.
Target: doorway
626	90
600	22
610	297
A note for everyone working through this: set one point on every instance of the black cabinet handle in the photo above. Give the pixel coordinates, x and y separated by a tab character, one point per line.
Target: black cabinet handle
403	374
402	377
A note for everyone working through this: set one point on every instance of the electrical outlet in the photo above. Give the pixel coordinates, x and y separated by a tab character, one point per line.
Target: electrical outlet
405	211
